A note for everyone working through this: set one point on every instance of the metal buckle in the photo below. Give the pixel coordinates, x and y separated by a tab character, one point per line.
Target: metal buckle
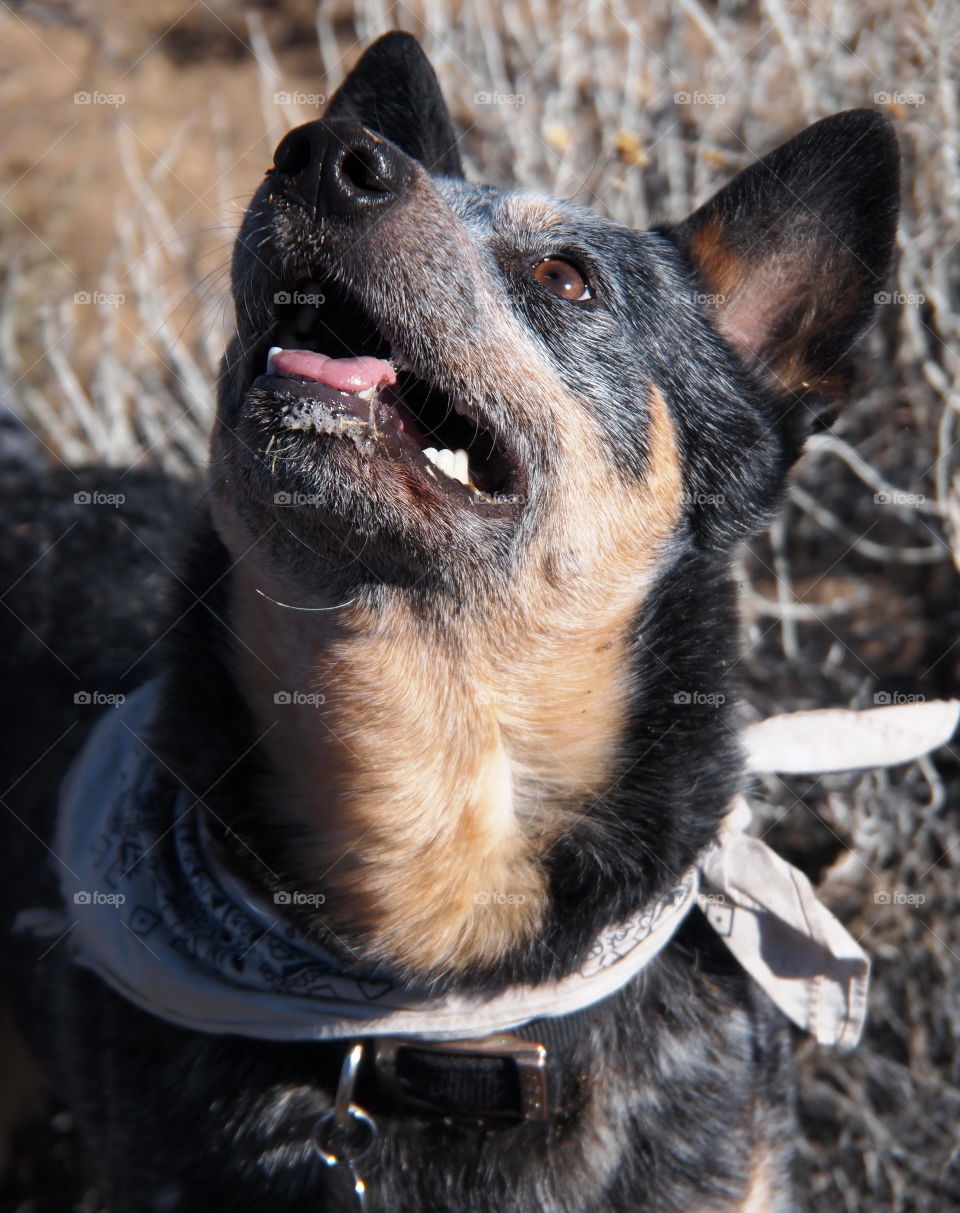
529	1057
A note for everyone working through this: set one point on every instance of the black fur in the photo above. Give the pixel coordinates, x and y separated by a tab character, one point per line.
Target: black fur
683	1083
391	82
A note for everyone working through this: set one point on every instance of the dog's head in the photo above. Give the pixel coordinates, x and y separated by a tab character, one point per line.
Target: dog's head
536	435
573	360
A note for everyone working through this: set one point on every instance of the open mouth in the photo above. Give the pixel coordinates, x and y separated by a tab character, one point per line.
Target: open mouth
331	371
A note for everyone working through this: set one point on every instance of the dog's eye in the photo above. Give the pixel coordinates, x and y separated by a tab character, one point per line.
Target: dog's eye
562	278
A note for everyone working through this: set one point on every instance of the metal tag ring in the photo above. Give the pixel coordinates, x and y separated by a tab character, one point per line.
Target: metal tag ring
331	1138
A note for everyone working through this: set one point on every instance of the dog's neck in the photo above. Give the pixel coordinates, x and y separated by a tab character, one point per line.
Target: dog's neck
428	764
457	741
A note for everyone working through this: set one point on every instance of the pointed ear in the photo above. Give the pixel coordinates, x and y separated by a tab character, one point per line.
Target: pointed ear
794	250
394	91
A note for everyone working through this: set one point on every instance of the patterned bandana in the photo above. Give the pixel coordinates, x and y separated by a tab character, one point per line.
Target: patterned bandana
152	909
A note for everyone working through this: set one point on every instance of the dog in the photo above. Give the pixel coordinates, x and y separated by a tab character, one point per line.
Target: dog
444	694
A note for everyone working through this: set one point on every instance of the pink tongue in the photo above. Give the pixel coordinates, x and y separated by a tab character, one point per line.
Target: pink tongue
345	374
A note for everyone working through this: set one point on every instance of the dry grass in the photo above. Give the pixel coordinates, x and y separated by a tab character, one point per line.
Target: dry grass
853	594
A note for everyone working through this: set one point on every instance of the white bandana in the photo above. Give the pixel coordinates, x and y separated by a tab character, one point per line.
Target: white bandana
154	912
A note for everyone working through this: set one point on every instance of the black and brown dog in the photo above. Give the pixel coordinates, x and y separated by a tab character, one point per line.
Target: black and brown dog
449	678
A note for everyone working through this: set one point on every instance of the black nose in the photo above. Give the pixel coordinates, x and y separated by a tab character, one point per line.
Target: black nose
340	168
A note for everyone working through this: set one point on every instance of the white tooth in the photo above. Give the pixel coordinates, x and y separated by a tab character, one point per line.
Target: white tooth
444	461
274	349
367	393
461	466
452	463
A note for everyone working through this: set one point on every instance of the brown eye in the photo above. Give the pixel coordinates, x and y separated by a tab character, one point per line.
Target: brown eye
562	278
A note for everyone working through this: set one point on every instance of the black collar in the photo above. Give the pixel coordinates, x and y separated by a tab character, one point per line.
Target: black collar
504	1079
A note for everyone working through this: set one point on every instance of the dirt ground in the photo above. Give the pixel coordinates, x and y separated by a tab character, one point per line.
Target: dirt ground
134	134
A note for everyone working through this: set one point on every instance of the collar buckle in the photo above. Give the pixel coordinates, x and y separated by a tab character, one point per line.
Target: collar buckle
502	1076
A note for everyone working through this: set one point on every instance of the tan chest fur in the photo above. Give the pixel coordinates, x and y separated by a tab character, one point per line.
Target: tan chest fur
446	757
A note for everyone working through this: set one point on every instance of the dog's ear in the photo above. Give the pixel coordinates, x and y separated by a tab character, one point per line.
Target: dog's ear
394	91
792	253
